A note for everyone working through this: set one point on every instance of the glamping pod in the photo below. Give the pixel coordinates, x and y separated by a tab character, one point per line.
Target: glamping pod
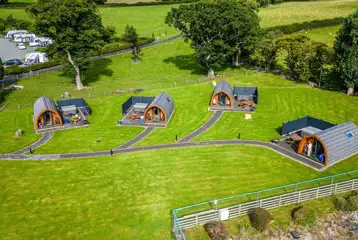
332	144
160	110
46	114
222	96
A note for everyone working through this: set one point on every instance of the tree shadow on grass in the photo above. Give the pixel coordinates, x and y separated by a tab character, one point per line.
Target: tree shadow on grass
97	69
187	62
4	94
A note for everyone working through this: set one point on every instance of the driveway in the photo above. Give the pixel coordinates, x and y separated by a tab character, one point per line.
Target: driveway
8	50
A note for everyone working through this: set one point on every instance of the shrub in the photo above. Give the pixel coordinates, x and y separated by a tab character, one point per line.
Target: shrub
348	202
260	218
216	231
304	216
14	70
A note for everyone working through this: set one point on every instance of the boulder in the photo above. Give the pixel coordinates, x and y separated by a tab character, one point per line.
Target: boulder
19	133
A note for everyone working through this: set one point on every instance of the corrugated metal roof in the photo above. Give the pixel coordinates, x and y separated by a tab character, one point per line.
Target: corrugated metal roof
166	102
43	104
338	145
224	86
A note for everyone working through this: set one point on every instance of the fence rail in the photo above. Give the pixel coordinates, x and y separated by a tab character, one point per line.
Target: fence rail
297	196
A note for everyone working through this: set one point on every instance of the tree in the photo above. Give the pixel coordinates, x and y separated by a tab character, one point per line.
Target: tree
130	35
76	29
346	52
2	71
3	1
266	52
216	29
299	52
242	27
321	58
10	21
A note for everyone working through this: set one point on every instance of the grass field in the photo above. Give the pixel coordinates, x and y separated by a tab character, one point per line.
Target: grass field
150	19
326	35
130	196
281	105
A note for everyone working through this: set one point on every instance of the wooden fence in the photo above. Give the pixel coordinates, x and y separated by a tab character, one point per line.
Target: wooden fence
200	218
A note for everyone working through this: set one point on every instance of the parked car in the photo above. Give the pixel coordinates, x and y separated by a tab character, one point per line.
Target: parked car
21	46
13	62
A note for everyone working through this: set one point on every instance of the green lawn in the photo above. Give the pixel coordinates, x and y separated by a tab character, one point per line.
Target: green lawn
278	105
130	196
301	11
150	19
326	35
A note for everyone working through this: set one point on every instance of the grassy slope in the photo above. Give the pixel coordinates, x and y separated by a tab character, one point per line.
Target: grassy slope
326	35
281	105
130	196
150	19
289	12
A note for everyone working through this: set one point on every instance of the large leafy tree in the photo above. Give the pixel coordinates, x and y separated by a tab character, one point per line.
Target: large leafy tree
216	29
130	35
346	52
76	29
298	54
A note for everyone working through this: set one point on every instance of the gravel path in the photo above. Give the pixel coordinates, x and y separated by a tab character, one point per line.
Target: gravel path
217	115
274	147
136	139
44	139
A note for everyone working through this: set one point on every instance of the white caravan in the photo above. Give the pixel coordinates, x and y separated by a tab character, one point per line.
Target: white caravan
35	58
40	42
11	34
24	38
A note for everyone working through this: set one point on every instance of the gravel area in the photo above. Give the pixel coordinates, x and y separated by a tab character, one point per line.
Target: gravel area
9	50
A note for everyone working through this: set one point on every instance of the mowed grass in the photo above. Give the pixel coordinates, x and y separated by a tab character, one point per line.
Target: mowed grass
150	19
11	121
278	105
290	12
101	134
325	35
130	196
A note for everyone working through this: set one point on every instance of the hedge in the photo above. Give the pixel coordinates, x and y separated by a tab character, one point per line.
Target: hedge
295	27
14	70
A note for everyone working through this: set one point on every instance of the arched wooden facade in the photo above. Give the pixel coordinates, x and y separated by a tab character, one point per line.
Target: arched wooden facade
222	96
45	112
311	138
160	110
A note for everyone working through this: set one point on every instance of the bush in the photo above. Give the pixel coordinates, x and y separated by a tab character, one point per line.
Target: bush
216	231
260	218
304	216
15	70
348	202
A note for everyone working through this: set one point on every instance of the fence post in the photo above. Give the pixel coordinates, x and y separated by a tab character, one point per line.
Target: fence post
299	196
279	201
196	220
335	188
317	192
240	210
353	184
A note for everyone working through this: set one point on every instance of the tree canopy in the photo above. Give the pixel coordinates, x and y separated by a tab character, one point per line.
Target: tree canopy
76	29
217	29
346	52
130	35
